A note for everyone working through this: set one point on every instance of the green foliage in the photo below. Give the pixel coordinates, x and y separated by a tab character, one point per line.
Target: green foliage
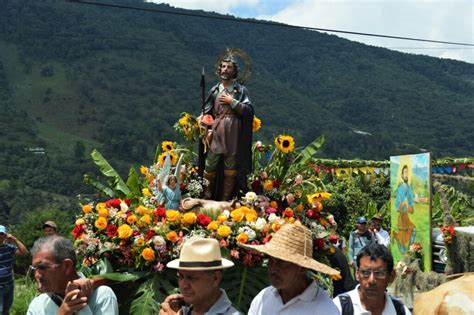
25	291
456	203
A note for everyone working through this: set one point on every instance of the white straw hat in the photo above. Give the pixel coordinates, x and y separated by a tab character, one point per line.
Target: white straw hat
293	243
200	253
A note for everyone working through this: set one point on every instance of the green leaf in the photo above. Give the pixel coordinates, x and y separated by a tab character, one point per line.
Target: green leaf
116	182
120	276
310	150
133	183
144	302
101	188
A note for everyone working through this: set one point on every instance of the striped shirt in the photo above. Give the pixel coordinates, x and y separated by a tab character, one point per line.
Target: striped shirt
6	263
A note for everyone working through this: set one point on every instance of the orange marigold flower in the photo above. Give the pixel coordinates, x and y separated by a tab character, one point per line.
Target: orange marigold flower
145	220
242	238
274	204
86	208
299	208
131	219
100	205
148	254
224	231
276	226
141	210
221	218
172	236
268	185
100	223
256	124
237	215
103	212
124	231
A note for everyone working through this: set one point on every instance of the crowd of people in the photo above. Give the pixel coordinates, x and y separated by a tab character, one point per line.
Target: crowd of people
200	270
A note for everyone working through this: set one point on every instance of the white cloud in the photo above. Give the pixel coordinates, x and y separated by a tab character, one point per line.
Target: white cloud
449	20
219	6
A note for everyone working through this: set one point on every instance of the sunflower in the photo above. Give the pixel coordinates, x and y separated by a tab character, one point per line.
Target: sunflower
162	158
285	144
167	146
256	124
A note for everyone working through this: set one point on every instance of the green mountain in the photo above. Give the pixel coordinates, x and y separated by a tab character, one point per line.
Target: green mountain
75	77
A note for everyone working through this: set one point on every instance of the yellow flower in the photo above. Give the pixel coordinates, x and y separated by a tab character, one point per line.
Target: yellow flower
221	218
140	242
100	205
141	210
124	231
131	219
172	236
167	146
146	192
242	238
268	185
172	215
80	221
274	204
144	170
162	158
145	220
103	212
86	209
323	221
189	217
224	231
100	223
256	124
184	120
213	225
318	196
276	226
148	254
285	143
237	215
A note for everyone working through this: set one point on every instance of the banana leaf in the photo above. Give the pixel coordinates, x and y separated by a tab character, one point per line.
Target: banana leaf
133	183
307	153
114	180
98	186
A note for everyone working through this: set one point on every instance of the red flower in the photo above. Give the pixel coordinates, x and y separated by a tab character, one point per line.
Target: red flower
257	186
149	234
276	183
160	212
78	231
111	230
203	220
128	202
319	243
136	233
182	187
288	213
266	239
114	203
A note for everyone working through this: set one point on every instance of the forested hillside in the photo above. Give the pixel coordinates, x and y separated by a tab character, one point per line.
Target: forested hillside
74	77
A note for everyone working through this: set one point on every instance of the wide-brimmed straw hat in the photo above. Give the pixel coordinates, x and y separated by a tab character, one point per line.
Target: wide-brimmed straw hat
293	243
200	253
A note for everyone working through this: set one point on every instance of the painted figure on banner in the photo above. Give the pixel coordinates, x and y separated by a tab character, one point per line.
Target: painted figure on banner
404	203
228	138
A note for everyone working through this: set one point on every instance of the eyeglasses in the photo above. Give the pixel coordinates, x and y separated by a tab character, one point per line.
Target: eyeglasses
379	274
43	267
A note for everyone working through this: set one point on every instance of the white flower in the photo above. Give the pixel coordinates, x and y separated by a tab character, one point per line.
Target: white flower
158	240
248	230
123	206
272	218
226	213
259	224
251	196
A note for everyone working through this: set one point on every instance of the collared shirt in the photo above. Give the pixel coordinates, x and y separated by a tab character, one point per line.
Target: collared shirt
7	252
223	306
383	238
102	302
230	90
313	300
389	308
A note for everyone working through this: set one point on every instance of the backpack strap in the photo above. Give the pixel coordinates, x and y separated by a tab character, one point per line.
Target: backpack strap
398	306
346	304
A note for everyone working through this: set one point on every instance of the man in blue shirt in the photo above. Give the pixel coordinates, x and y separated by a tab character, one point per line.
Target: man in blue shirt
7	252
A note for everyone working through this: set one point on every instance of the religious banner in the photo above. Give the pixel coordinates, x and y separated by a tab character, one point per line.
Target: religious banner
410	206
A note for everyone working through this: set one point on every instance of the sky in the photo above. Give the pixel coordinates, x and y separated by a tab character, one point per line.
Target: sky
441	20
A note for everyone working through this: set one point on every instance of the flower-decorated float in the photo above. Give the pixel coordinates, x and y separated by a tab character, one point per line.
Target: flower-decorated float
128	234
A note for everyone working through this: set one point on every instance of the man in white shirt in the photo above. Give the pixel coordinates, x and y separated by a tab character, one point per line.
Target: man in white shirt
382	236
290	256
375	272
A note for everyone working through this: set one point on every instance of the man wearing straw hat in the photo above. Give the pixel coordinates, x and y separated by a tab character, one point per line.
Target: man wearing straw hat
292	291
199	276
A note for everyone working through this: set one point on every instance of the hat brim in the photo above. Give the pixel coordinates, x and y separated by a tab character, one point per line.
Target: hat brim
174	264
295	258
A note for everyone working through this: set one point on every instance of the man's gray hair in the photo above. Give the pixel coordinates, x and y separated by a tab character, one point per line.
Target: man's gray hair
60	247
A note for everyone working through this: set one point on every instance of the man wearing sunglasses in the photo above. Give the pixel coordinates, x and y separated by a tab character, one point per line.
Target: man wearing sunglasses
64	291
374	272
